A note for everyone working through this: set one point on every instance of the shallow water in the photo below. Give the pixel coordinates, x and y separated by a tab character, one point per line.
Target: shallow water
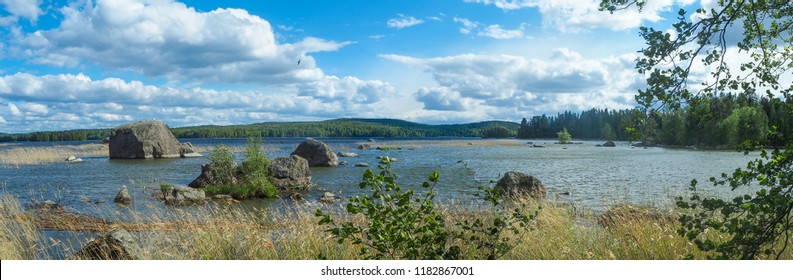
595	177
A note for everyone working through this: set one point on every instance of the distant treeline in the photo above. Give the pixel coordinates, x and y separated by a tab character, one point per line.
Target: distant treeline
723	121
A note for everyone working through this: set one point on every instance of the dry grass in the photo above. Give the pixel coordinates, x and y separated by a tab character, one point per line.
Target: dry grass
19	156
559	233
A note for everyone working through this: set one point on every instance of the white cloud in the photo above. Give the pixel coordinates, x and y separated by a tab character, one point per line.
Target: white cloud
505	86
22	8
168	39
468	25
403	21
496	32
576	15
377	37
83	102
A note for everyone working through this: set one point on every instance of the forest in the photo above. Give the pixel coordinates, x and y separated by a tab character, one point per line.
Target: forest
724	121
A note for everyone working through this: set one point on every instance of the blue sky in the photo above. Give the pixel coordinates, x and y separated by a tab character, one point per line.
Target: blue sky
95	64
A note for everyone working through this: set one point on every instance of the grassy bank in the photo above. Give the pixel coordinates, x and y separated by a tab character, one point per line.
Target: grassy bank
559	233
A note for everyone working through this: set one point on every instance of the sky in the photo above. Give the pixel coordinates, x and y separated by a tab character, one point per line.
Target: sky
99	64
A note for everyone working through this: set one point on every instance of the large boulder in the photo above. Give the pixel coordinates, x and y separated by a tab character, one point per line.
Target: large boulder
517	183
145	139
316	153
290	172
209	178
117	244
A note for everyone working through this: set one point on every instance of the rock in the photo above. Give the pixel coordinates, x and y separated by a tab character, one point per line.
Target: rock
370	140
344	162
609	144
598	145
316	153
208	178
518	183
186	150
117	244
329	197
73	159
365	146
362	164
123	196
538	146
143	139
290	172
347	154
183	195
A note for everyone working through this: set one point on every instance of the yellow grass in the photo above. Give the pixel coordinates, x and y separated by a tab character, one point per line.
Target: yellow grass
220	232
18	156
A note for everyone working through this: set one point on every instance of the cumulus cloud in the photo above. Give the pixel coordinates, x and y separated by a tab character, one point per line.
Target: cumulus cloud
576	15
505	86
168	39
22	9
403	21
75	101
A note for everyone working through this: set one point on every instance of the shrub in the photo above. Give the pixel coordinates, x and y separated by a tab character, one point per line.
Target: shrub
401	224
249	179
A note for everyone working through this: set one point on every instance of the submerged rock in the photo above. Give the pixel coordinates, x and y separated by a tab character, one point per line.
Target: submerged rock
347	154
290	172
518	183
362	164
317	153
117	244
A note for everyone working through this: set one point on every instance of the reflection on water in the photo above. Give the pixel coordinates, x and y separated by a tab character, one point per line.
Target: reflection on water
595	177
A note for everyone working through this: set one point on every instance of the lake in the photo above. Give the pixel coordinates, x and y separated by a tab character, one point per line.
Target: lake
595	177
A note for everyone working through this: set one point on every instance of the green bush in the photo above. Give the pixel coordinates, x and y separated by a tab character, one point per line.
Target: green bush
253	177
401	224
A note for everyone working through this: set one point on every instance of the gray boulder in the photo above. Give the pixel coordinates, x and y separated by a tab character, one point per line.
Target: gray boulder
609	144
123	196
517	183
183	195
186	150
144	140
209	178
117	244
290	172
316	153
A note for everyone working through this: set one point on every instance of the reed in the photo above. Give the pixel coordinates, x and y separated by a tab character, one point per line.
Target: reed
220	231
19	156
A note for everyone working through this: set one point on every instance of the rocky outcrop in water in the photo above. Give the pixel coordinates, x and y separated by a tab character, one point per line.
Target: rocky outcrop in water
183	195
209	178
518	183
146	139
116	244
317	154
123	196
290	172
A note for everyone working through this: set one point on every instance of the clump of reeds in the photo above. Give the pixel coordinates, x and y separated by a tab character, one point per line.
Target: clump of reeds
18	156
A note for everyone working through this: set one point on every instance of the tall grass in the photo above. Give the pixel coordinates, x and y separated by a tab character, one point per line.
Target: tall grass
18	156
220	231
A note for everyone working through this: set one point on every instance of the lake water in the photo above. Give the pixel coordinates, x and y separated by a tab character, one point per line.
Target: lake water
595	177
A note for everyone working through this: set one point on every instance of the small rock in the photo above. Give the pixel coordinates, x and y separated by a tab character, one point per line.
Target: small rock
344	162
519	183
347	154
362	164
329	197
117	244
183	195
609	144
365	146
73	159
123	196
